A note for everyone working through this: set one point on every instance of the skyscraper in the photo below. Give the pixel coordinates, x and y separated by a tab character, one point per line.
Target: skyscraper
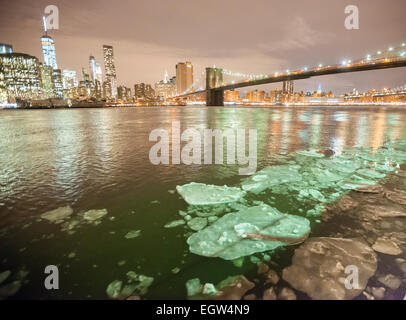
70	79
48	49
110	70
20	76
92	68
184	76
99	73
47	83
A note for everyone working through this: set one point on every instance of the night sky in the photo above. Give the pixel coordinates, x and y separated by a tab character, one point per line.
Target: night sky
257	36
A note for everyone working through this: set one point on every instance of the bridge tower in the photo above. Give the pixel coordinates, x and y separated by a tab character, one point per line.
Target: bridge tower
214	79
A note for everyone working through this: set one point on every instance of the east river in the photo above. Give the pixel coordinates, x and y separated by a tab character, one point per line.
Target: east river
98	159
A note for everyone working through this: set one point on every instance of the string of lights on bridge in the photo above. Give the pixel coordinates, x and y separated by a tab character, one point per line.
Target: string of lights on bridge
387	55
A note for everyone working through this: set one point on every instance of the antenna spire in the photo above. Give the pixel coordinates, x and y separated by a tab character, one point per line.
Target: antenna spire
45	25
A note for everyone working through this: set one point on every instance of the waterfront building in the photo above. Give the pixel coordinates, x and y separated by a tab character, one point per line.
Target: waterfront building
85	75
184	76
124	93
47	83
149	92
69	79
231	96
110	70
92	68
139	91
256	96
20	76
58	84
99	73
165	88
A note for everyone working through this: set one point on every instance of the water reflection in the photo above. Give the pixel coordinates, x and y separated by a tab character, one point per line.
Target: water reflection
81	156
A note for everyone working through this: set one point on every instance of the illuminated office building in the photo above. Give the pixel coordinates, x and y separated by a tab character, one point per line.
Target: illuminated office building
139	91
99	73
58	84
48	52
69	79
92	68
48	48
184	76
124	93
165	88
20	76
231	96
110	70
47	82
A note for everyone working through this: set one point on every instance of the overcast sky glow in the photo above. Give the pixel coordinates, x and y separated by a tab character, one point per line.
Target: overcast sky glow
256	36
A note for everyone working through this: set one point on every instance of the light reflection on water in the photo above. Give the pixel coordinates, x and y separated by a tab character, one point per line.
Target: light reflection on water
98	158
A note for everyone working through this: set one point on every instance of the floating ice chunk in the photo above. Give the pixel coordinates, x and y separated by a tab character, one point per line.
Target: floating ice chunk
209	289
271	176
175	270
57	215
174	224
133	234
371	174
4	276
310	154
197	224
202	194
114	289
94	215
193	287
10	289
224	238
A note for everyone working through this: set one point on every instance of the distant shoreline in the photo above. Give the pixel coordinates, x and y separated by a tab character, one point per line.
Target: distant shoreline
202	105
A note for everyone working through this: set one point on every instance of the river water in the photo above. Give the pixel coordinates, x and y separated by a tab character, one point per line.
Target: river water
99	159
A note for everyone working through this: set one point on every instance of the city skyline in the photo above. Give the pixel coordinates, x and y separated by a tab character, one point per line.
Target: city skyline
145	61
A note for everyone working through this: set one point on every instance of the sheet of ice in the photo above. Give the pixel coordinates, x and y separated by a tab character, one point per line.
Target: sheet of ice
94	215
202	194
133	234
57	215
243	233
271	176
174	224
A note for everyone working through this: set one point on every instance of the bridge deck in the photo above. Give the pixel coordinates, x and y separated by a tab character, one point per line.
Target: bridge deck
323	71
